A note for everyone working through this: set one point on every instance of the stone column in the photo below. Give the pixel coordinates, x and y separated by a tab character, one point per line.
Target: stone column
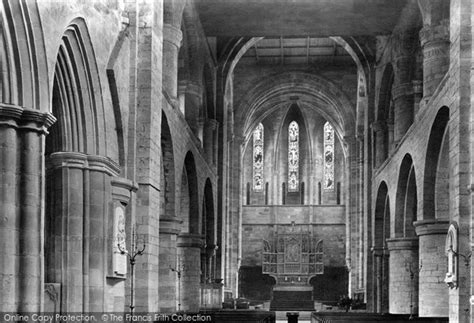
189	259
149	69
22	133
210	128
379	128
390	126
402	91
417	96
403	114
193	105
79	192
433	292
403	276
380	279
168	260
172	36
435	45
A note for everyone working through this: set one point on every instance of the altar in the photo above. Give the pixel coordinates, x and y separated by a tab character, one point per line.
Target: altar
292	259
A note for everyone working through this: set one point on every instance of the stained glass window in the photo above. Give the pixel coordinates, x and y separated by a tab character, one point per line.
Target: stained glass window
328	157
258	158
293	157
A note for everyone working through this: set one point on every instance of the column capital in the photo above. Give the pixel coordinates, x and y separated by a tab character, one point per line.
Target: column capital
417	86
379	125
172	35
379	251
402	243
238	139
193	88
190	240
20	117
170	224
212	124
122	189
435	33
432	226
71	159
403	44
401	90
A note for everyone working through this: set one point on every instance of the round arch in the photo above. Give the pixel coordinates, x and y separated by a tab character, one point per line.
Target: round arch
405	204
381	232
189	200
435	157
168	187
208	260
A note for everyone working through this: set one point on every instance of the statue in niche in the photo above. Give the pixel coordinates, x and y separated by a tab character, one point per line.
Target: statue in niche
452	254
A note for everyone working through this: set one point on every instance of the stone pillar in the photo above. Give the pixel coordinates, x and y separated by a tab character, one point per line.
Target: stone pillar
403	50
22	133
148	153
403	114
390	126
193	105
168	260
172	36
189	259
79	192
403	276
417	96
380	271
209	144
435	45
433	292
379	128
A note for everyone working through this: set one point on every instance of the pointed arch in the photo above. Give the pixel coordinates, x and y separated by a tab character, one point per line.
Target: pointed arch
435	157
406	200
22	56
76	92
190	214
168	186
381	232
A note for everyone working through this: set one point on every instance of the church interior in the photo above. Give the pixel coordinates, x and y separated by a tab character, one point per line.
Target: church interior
238	155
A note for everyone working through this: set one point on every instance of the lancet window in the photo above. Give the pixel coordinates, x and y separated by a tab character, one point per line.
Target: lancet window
293	157
258	158
328	157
